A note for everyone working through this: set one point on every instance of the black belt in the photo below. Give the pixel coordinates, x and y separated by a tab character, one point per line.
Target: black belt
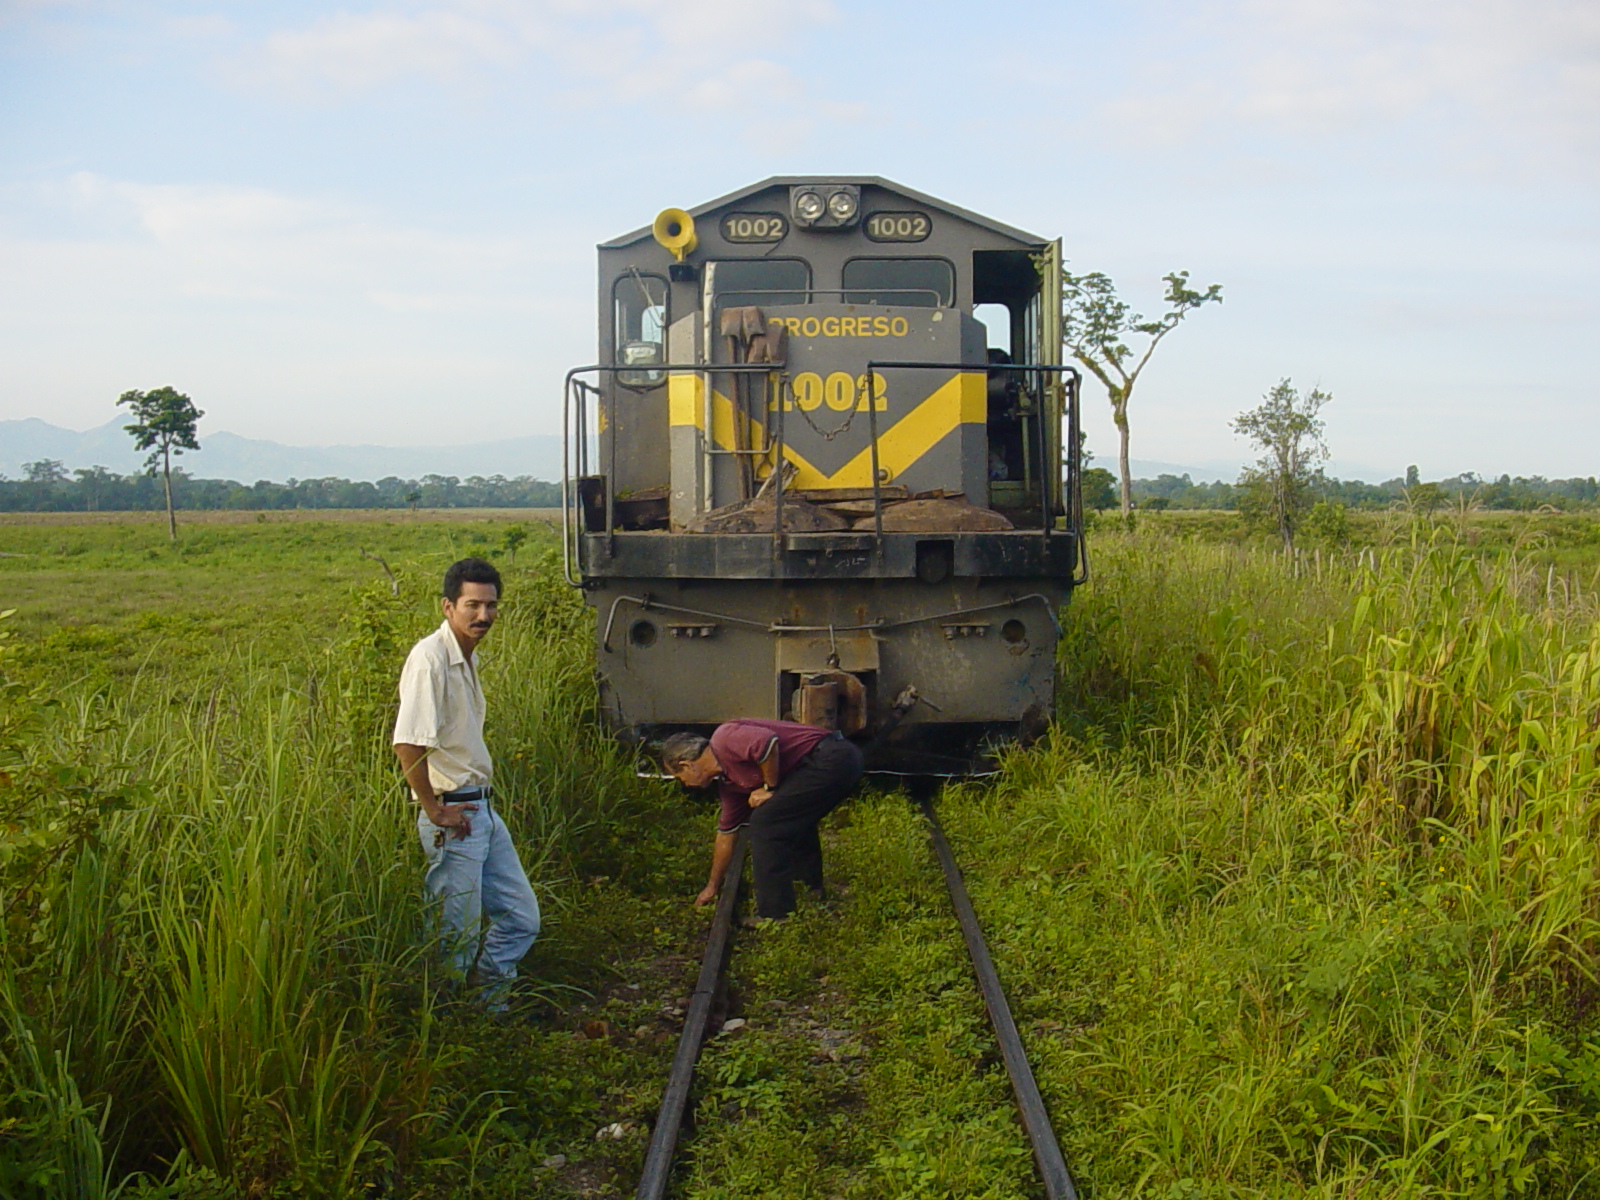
466	795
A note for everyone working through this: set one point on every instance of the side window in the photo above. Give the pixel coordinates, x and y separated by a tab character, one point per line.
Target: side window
639	332
996	320
902	282
762	281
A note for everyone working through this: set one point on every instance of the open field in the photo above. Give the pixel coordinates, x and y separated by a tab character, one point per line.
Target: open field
1300	899
158	520
1566	540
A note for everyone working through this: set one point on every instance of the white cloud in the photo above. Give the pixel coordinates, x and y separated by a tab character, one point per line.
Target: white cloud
254	243
283	309
617	50
353	53
1490	78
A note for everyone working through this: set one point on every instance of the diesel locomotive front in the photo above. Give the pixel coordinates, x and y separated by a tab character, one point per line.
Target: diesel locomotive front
822	471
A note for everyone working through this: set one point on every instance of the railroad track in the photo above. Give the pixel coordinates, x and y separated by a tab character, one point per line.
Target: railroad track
1048	1162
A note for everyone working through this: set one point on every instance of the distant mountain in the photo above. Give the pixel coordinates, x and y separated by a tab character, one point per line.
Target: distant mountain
247	460
1144	468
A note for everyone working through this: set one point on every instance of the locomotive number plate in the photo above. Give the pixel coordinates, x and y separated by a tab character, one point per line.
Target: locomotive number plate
898	226
754	227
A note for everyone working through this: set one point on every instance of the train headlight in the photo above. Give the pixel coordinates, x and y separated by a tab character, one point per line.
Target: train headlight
808	206
825	206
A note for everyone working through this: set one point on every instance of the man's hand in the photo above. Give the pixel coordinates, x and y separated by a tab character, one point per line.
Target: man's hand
706	896
454	816
760	796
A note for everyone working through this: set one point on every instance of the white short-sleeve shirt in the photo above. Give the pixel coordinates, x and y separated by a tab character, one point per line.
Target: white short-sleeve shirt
441	707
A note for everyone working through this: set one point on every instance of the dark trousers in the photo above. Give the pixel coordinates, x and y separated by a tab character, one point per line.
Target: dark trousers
784	845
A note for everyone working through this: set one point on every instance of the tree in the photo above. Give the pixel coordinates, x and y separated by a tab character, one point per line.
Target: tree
165	426
1329	522
1094	323
1422	499
92	481
1099	488
513	538
46	470
1287	429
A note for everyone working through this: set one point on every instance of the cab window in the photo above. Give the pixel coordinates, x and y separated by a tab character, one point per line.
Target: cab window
639	314
762	281
902	282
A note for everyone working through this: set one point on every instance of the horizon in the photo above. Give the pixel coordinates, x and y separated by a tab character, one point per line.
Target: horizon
1143	470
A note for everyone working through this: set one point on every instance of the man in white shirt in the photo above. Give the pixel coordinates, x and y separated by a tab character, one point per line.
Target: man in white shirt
472	866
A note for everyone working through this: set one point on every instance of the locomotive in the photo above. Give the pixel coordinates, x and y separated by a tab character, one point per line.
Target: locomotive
823	470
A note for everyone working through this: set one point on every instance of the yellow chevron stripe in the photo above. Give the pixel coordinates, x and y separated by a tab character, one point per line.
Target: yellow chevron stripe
686	405
962	399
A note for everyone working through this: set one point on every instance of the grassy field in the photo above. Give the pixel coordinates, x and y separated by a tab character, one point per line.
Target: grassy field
1299	899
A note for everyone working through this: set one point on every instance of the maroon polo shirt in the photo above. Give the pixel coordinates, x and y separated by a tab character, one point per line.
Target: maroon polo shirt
740	746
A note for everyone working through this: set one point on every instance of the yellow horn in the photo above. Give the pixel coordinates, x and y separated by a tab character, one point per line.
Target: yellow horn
674	229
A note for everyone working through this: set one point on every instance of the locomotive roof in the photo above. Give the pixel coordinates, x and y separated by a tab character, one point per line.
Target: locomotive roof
786	181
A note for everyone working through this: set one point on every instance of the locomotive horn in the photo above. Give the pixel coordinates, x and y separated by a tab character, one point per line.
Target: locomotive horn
674	229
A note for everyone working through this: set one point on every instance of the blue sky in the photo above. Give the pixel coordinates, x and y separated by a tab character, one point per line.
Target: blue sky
375	222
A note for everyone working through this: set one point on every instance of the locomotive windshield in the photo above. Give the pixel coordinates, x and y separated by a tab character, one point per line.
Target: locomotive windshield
762	281
906	282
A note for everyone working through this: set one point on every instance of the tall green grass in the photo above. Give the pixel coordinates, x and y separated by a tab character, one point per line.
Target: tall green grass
1308	876
1299	900
225	981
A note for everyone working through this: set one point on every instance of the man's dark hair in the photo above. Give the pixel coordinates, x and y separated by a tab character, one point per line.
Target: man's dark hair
682	748
469	570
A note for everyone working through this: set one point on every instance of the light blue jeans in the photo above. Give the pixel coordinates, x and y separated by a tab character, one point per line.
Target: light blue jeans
470	877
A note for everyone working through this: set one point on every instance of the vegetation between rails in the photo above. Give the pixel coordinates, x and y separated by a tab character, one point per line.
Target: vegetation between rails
1299	900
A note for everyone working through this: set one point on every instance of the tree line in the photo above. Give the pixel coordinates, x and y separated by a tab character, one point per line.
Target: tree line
47	486
1506	493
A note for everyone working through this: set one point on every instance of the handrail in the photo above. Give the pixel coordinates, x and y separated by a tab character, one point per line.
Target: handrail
571	397
574	390
647	602
575	448
1075	484
777	469
1046	517
838	291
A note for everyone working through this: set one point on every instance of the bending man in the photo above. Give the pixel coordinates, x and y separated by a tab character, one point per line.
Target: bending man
779	778
472	866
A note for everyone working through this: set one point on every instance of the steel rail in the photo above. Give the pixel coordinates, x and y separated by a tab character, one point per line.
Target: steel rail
1030	1104
658	1162
675	1100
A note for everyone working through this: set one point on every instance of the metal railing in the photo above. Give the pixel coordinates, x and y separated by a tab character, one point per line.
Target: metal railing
575	442
1046	514
575	448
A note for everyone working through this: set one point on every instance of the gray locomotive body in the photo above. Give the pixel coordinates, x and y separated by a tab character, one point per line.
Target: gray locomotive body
807	481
